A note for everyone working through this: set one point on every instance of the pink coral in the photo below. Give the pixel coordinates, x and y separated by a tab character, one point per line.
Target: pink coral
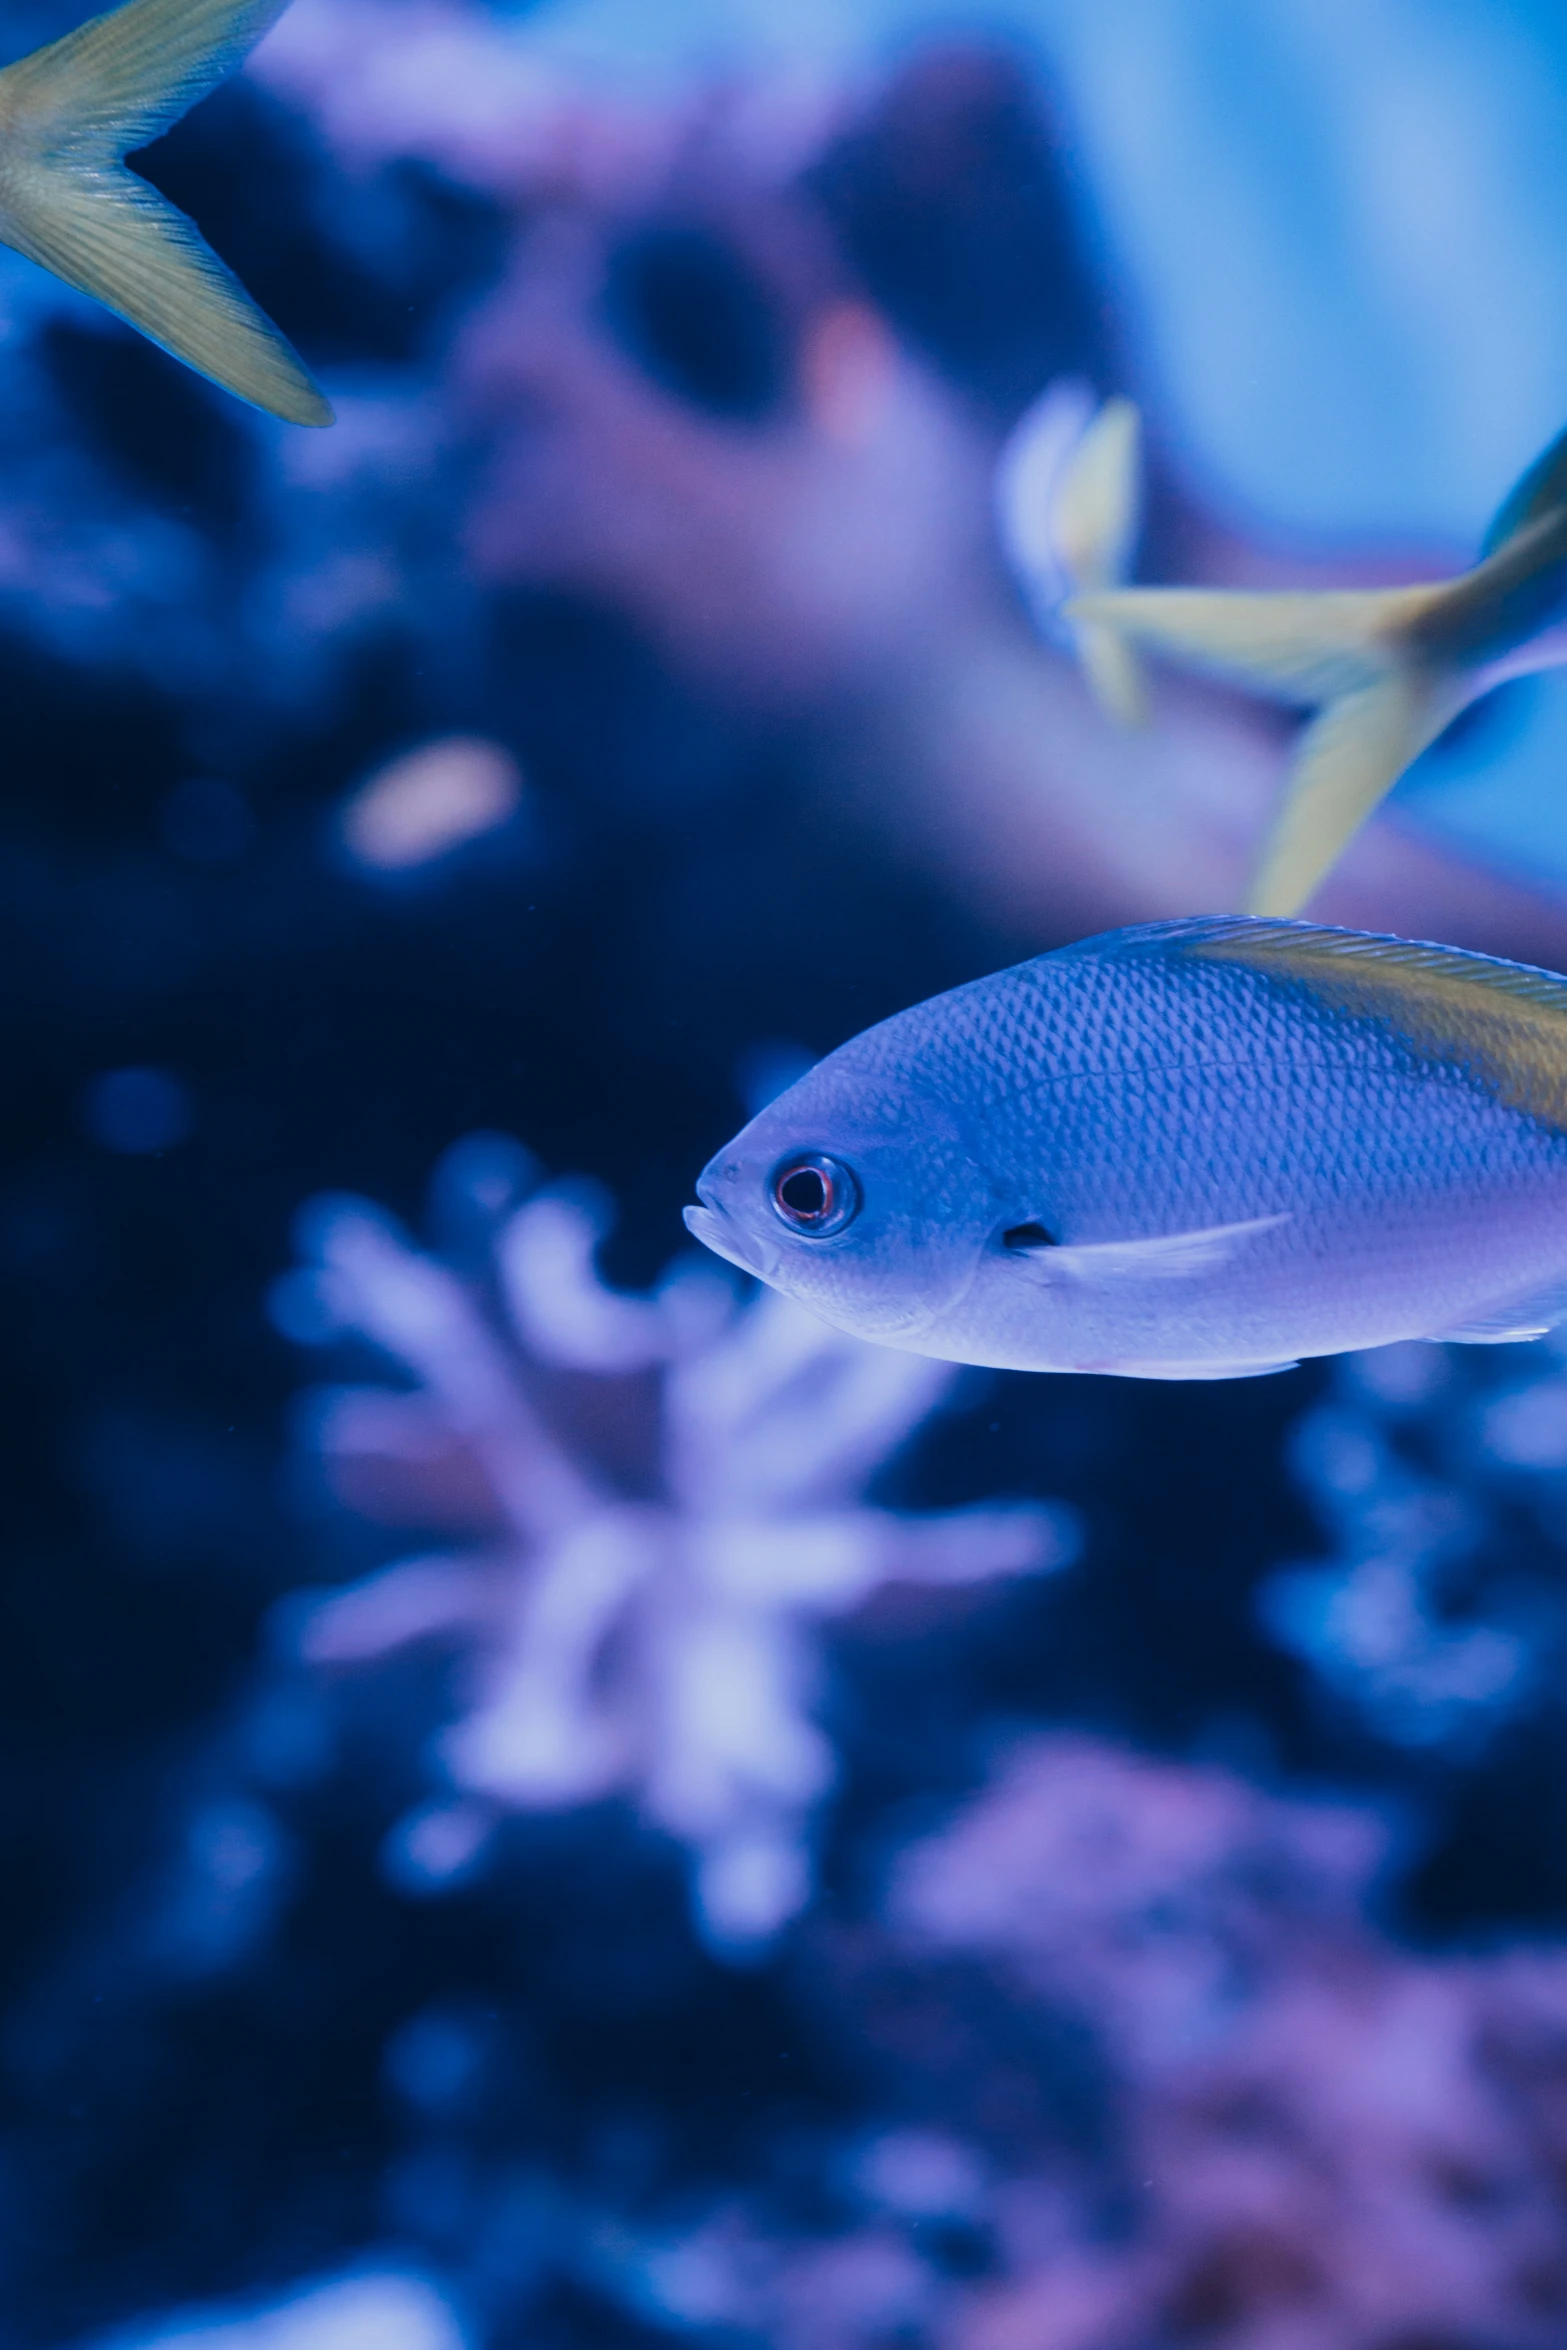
1317	2141
1339	2146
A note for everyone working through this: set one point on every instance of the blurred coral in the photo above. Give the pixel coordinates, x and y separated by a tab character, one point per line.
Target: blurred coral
532	290
368	2310
1315	2141
1440	1475
460	88
656	1496
429	801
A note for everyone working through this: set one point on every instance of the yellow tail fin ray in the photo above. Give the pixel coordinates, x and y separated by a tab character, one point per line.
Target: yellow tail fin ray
1303	647
1386	667
1098	506
1113	671
1097	517
1349	758
68	114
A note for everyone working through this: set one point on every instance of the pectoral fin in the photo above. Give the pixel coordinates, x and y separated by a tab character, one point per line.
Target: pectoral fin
1484	1334
1349	758
1169	1256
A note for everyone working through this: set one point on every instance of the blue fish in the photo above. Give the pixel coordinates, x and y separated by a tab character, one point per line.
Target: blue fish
1193	1150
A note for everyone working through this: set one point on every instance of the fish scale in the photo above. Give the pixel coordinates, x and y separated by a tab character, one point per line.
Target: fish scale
1198	1149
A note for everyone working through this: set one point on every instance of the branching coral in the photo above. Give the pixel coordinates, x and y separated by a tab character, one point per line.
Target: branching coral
660	1494
1439	1474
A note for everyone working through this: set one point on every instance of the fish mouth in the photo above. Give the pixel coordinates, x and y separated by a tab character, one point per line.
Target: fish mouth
714	1230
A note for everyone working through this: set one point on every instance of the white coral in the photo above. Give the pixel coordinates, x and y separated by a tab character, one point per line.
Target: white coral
378	2309
652	1643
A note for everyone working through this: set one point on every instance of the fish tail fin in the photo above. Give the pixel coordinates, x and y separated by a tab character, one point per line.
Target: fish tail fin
1294	645
1349	758
1097	517
1424	650
1518	589
1114	673
1354	653
69	114
1539	491
1386	668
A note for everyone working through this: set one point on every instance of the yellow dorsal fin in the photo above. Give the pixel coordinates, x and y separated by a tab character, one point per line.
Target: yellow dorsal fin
1504	1022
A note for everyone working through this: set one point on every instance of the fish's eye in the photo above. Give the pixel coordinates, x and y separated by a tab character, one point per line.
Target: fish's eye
815	1194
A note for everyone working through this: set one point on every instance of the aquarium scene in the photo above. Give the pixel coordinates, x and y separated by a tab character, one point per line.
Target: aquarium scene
786	1411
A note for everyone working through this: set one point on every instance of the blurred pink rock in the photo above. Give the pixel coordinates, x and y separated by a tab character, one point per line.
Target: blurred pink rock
829	560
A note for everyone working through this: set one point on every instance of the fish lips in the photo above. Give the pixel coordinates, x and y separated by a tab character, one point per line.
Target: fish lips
717	1231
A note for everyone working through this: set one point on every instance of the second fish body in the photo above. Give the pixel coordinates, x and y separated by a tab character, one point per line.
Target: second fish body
1200	1149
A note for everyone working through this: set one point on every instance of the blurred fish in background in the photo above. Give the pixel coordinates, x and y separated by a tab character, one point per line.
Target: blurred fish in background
813	1920
1386	670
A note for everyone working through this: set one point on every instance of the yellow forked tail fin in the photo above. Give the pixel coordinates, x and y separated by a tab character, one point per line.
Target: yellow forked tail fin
1353	653
1386	668
1097	516
1349	759
68	116
1294	645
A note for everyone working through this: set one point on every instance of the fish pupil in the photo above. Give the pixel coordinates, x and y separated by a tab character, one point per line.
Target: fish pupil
815	1195
806	1193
